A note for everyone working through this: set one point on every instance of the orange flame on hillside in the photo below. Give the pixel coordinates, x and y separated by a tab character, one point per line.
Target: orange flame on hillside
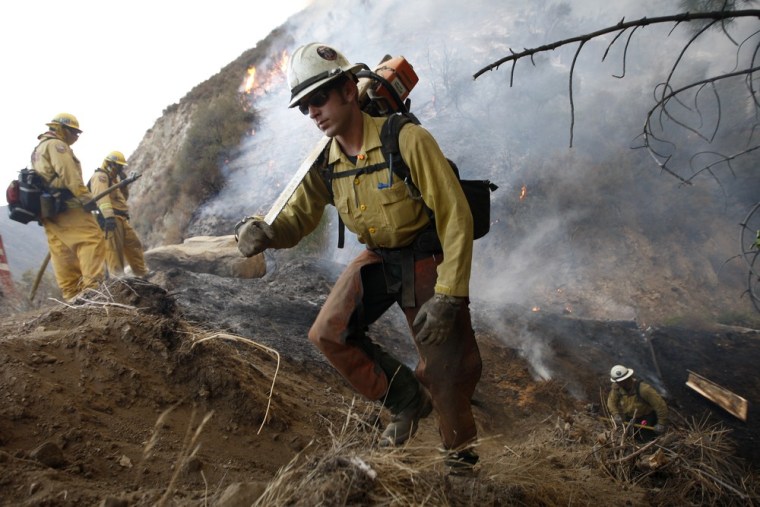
260	83
283	64
523	192
250	80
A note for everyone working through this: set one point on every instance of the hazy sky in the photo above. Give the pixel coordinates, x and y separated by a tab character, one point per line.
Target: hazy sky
114	65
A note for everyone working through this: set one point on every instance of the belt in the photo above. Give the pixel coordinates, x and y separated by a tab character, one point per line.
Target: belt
423	246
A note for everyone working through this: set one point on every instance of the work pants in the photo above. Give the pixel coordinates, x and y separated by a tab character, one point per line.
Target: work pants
449	371
124	247
77	250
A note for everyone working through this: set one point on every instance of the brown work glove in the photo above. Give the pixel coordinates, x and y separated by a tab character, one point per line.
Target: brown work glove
435	320
253	235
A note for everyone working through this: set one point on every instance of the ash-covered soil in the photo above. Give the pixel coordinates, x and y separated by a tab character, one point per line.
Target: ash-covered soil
193	389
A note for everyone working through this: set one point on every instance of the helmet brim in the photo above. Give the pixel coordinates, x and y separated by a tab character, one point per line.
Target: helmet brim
52	124
350	69
628	375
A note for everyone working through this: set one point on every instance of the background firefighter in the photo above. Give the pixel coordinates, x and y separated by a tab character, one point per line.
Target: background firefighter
429	280
77	250
123	246
632	401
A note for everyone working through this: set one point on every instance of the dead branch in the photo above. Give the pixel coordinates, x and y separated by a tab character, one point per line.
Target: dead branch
634	453
666	93
621	26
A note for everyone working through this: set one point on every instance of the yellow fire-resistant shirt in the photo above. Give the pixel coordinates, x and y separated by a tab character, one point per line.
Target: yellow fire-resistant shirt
54	160
114	201
386	216
643	400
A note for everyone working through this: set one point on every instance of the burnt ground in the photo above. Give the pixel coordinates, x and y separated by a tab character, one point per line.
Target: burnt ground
159	393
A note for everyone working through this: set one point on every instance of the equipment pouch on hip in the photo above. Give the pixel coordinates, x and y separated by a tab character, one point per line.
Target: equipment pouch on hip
47	206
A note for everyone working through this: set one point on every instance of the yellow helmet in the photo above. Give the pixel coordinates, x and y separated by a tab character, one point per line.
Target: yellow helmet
66	120
117	158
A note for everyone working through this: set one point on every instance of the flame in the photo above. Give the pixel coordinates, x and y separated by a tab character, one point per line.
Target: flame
523	192
536	309
283	64
250	80
258	83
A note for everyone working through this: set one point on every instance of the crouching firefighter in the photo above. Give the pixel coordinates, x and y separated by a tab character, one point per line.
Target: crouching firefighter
631	400
423	265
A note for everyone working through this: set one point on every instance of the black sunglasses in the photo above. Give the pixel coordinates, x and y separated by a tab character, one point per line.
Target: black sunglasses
317	99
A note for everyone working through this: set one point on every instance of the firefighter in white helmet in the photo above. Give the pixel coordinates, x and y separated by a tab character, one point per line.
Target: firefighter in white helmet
429	280
77	249
631	400
123	246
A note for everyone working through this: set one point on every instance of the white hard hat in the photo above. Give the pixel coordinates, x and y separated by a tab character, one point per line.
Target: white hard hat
618	373
315	65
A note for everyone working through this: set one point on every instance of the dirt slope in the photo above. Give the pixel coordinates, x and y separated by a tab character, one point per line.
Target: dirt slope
143	394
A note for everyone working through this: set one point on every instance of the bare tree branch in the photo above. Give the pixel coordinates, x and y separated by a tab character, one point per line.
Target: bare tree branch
622	25
664	92
668	100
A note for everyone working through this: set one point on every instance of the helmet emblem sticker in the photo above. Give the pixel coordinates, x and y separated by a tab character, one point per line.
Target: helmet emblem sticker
327	53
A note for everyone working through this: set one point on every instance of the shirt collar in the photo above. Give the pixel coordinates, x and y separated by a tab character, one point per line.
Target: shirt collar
370	141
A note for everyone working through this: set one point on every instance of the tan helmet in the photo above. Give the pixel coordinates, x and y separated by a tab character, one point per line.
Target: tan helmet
618	373
117	158
315	65
66	120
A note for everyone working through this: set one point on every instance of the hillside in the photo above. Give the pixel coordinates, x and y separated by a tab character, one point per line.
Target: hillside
25	244
194	389
596	229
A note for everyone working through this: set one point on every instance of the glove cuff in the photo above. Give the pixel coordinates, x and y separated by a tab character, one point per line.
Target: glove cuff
449	300
258	218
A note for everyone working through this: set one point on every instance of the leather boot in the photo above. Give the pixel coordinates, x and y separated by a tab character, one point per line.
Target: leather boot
404	424
461	462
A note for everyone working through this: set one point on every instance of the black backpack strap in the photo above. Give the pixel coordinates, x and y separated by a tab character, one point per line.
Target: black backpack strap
389	135
325	169
358	171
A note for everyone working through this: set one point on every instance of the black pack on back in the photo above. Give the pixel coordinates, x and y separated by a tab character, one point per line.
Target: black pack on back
24	196
477	192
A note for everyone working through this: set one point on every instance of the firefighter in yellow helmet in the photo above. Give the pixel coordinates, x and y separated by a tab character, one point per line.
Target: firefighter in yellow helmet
122	244
77	249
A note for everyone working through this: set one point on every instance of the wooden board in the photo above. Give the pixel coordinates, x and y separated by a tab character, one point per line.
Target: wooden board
730	402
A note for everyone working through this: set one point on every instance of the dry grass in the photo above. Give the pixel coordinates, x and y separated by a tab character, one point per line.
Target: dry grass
347	469
692	465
